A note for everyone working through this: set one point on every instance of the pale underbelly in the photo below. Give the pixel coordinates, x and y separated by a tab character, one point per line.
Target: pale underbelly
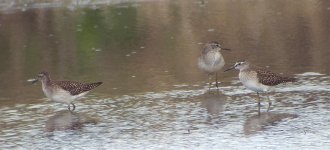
255	86
210	68
62	96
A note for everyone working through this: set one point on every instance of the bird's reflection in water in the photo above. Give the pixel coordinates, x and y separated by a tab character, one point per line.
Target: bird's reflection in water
214	104
258	123
67	120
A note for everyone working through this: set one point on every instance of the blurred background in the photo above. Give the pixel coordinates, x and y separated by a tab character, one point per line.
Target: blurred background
139	46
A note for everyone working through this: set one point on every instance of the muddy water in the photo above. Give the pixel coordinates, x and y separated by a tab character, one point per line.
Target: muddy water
153	96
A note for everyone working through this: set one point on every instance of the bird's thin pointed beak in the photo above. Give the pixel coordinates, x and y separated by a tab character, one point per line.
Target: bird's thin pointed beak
229	69
34	81
226	49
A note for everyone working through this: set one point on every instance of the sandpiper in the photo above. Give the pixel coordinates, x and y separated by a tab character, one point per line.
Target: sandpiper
211	60
64	91
258	79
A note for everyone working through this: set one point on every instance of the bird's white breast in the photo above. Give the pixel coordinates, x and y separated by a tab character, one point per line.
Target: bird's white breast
211	62
250	81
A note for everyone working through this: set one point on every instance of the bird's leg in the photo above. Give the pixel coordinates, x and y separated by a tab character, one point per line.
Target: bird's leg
210	83
216	80
269	104
259	105
73	107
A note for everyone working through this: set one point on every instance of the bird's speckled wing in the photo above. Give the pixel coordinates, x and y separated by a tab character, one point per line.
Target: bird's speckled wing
268	78
76	88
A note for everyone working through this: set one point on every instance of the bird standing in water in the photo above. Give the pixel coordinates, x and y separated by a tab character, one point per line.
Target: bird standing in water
64	91
211	60
258	79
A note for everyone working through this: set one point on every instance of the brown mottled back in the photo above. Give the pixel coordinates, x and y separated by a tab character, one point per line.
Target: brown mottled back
269	78
76	88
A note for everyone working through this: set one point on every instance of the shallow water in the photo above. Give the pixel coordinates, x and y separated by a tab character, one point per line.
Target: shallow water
153	96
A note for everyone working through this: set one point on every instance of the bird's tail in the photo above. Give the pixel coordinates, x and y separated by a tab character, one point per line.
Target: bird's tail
289	79
93	85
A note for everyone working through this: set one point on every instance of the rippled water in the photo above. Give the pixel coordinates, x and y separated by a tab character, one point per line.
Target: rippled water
153	96
187	117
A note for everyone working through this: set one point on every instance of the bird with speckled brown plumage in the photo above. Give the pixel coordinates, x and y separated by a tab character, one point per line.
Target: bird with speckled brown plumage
258	79
64	91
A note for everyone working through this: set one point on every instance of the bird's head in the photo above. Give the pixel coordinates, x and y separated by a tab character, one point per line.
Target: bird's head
215	46
42	76
240	65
